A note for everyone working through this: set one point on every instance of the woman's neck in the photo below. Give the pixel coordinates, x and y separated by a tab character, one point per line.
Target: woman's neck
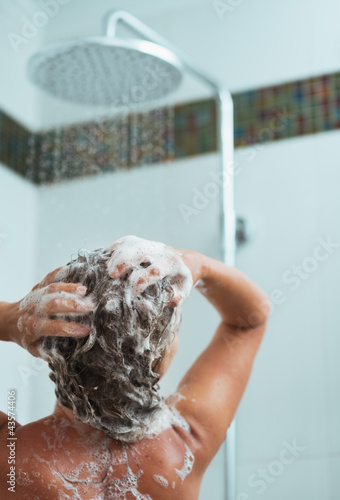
63	412
85	430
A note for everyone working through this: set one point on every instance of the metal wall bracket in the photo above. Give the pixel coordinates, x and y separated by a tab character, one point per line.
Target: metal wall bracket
242	232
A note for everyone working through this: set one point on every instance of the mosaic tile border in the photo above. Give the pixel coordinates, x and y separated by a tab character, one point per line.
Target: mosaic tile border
87	149
289	110
262	115
14	139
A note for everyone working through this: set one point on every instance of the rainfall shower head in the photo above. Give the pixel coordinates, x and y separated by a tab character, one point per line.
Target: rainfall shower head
104	71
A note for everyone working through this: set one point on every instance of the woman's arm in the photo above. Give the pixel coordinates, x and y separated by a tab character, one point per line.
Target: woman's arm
240	302
214	385
7	320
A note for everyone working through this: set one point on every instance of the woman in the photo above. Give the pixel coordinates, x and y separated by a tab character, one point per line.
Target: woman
108	326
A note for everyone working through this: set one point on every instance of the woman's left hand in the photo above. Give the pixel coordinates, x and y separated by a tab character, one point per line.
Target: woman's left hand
36	316
149	262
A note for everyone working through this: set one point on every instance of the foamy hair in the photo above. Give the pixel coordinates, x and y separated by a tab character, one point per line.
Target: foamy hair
108	378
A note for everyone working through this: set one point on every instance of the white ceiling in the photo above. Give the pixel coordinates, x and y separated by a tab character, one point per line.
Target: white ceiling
145	7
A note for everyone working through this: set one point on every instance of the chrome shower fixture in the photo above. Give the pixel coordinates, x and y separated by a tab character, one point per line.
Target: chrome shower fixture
103	71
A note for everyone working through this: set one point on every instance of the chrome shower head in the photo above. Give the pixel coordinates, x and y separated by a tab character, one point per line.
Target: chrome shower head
103	71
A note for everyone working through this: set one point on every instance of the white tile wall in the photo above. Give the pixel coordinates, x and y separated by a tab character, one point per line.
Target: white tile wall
303	479
18	210
290	194
335	478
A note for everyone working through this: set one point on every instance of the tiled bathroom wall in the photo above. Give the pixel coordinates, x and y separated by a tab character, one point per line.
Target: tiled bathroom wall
262	115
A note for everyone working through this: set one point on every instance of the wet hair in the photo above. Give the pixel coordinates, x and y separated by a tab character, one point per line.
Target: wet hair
107	379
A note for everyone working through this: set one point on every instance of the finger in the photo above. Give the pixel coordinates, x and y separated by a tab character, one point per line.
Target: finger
124	258
56	275
118	271
177	252
178	280
118	266
114	245
125	241
130	250
56	328
121	269
67	306
34	350
175	301
166	265
143	278
71	288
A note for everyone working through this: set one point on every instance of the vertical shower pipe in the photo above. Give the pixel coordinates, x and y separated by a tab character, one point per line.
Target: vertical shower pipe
226	143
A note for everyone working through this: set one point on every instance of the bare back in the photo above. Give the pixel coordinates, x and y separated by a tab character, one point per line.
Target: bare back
59	459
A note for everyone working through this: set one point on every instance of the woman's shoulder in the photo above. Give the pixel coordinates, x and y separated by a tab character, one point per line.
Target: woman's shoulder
165	465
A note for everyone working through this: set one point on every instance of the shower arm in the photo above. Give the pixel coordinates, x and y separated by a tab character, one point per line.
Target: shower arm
143	30
226	143
226	129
